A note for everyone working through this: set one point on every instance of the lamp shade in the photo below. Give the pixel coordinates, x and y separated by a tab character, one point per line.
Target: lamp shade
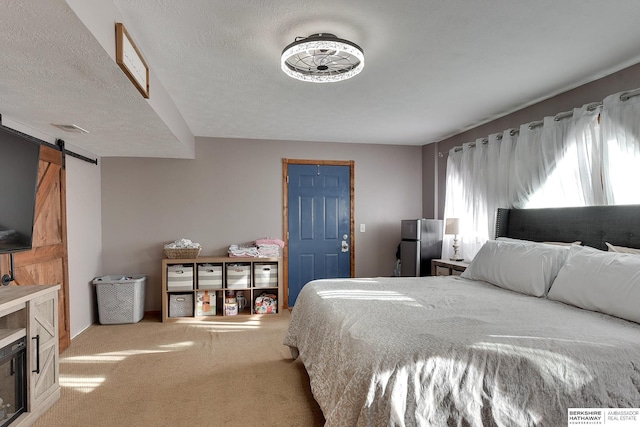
452	226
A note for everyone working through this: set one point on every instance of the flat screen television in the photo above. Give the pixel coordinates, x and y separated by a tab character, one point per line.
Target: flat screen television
19	157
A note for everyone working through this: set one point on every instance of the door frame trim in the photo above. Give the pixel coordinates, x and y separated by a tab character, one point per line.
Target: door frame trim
285	214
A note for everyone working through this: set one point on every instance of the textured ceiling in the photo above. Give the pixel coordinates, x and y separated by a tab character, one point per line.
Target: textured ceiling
433	67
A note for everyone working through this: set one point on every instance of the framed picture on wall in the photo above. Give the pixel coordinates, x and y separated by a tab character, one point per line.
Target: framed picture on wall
130	60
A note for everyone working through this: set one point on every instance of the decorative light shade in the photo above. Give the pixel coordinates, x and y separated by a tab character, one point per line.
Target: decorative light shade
452	226
322	58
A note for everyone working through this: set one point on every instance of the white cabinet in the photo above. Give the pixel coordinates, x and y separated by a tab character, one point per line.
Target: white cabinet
32	312
43	349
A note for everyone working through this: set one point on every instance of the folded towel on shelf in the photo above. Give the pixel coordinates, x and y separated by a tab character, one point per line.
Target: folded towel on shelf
267	241
269	251
269	247
243	251
266	247
182	244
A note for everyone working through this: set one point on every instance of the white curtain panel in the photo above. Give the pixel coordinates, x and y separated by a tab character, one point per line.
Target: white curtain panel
507	170
474	228
528	168
620	123
556	164
586	134
477	184
455	201
492	184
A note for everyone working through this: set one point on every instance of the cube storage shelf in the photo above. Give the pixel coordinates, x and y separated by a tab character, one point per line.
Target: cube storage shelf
201	287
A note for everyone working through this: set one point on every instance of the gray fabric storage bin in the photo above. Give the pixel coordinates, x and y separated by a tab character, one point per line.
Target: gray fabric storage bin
181	305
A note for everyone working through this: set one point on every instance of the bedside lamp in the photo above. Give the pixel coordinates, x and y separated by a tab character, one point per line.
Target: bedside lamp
453	227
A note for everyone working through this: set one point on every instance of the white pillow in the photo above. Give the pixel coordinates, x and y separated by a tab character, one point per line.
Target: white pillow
596	280
522	266
622	249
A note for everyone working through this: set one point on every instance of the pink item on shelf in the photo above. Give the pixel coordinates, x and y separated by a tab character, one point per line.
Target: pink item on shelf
269	241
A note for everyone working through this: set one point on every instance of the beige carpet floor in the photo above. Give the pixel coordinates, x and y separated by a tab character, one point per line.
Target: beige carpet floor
231	372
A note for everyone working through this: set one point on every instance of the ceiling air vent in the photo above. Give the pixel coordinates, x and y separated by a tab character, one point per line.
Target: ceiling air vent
71	128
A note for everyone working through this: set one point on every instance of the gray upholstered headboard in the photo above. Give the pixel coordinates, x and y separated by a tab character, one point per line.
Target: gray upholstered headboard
592	225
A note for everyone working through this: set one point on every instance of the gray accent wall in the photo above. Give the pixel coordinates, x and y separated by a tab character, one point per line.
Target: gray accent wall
232	193
627	79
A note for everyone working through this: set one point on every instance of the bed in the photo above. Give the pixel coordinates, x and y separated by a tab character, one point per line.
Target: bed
529	331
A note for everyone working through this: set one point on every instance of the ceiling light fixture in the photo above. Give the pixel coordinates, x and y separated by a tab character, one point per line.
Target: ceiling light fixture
322	58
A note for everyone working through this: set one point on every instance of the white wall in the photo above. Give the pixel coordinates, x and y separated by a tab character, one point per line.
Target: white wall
100	16
232	193
84	240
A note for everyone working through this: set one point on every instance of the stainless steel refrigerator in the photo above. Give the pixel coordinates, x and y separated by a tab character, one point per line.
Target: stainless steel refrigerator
421	242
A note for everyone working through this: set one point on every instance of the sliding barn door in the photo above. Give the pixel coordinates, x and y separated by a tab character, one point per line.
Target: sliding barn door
47	262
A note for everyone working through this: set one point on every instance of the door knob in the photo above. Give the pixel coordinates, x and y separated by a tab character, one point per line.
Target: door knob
345	246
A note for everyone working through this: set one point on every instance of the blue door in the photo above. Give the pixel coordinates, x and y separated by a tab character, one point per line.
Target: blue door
319	224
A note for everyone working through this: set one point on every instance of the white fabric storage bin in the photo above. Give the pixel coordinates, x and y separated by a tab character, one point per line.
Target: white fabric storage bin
179	277
180	305
210	276
238	276
120	298
265	275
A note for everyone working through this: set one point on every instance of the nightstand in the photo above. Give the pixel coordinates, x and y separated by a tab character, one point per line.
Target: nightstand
446	267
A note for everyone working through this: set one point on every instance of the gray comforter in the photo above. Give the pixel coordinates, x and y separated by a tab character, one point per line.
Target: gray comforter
446	351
